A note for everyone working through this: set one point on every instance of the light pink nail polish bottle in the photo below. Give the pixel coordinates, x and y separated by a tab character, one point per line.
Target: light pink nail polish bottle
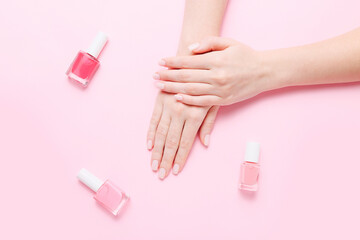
250	168
86	63
106	193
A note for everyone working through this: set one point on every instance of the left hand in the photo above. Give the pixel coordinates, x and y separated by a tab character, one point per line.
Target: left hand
223	72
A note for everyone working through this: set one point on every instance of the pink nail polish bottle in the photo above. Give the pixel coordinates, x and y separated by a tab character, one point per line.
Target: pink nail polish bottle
85	64
250	168
106	193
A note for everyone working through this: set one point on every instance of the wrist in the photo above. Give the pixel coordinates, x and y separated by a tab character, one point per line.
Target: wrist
186	41
275	69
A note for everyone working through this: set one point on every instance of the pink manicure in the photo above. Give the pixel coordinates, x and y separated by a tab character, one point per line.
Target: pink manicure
178	97
156	76
162	62
160	85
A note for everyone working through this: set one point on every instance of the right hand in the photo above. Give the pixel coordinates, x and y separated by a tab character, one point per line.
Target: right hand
223	72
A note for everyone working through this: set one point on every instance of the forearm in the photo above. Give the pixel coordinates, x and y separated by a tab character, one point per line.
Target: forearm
202	18
331	61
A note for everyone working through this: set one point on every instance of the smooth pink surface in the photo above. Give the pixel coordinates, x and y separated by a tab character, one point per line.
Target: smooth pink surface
49	129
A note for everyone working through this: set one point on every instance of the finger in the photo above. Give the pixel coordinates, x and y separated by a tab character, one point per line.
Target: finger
187	62
207	125
195	89
184	75
187	140
203	100
171	146
155	118
211	44
160	136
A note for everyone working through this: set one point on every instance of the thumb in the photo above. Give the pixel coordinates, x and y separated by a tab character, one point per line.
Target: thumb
211	44
208	125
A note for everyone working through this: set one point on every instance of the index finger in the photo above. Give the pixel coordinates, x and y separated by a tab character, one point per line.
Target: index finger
187	62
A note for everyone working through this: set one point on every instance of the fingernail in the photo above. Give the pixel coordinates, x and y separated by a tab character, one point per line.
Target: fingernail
159	85
207	140
149	144
155	165
162	173
178	97
176	169
193	46
156	76
162	62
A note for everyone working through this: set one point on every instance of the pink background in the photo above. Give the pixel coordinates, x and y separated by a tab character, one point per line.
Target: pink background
49	129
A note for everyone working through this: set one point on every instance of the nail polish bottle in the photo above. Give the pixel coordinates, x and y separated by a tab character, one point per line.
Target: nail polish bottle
250	168
106	193
85	64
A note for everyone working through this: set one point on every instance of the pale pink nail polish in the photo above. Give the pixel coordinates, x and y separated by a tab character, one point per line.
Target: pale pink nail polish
178	97
156	76
207	140
155	165
85	64
193	46
162	62
176	168
149	145
160	85
249	171
162	173
107	193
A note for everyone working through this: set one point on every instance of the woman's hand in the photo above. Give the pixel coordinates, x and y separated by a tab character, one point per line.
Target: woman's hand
223	72
173	128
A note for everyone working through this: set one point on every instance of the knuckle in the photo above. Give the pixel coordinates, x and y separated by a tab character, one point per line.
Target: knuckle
179	109
185	144
162	131
188	88
182	63
209	123
196	118
172	142
153	120
182	75
220	78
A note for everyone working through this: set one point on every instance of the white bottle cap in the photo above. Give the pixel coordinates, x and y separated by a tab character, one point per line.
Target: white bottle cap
89	179
252	152
97	45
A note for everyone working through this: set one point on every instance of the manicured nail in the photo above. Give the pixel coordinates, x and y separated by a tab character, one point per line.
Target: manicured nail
207	140
193	46
156	76
178	97
159	85
149	144
176	169
162	62
162	173
155	165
